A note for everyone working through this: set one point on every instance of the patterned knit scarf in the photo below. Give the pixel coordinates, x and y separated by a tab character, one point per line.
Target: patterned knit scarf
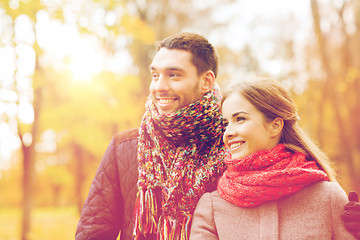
180	157
267	175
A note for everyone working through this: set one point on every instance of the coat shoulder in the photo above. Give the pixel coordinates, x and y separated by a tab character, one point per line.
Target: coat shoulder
126	135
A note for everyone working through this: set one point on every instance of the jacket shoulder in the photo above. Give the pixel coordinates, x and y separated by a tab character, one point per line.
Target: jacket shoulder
130	134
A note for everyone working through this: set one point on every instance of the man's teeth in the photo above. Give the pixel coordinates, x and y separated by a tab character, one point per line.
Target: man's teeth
166	100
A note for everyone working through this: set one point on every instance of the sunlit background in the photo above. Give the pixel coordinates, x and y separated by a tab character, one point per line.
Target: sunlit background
75	72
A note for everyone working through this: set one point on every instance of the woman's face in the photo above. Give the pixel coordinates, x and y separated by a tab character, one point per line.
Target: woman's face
247	130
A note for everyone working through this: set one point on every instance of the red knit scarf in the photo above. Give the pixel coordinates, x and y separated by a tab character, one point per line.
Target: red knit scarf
180	157
267	175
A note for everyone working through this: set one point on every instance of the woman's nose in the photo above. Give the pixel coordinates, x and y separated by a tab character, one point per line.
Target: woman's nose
229	132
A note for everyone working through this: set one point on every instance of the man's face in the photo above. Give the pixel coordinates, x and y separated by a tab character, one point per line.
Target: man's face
175	81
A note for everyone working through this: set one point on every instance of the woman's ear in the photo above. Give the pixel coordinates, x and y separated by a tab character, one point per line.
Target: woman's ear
208	81
276	126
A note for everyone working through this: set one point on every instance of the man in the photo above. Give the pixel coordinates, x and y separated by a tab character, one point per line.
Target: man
351	216
150	179
173	158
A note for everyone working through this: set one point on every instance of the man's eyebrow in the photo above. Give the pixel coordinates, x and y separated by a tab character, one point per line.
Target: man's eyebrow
175	69
168	69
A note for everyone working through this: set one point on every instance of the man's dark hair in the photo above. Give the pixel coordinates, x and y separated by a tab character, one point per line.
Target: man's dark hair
203	53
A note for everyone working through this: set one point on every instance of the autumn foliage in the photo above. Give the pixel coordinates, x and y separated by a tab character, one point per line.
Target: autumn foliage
61	101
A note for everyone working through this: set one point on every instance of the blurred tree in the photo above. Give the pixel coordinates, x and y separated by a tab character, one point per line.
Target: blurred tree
86	116
338	49
28	133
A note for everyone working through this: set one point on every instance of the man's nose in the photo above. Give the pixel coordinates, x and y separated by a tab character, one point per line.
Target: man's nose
162	84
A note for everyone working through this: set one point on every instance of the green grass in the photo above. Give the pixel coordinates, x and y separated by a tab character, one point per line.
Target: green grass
47	223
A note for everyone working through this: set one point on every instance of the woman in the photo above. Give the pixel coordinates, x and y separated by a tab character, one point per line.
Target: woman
278	184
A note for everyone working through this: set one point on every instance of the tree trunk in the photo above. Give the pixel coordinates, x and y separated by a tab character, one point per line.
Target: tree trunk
29	157
79	175
28	175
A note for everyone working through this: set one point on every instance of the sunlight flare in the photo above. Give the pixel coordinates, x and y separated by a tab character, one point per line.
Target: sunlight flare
85	61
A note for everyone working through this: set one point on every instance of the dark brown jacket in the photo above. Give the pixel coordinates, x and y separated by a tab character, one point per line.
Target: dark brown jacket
109	207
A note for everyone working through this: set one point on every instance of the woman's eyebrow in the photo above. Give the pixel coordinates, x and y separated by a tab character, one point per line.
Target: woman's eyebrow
238	113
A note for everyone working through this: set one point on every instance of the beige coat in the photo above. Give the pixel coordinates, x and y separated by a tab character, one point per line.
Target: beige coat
312	213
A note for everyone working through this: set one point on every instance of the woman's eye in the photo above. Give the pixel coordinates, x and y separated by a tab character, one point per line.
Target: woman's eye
225	124
240	119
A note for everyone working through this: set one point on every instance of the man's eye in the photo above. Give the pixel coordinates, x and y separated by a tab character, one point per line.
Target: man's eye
155	76
173	75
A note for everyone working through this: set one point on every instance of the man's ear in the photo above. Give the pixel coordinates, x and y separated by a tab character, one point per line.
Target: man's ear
208	81
276	127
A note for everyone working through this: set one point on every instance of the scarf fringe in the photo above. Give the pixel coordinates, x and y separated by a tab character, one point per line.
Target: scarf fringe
173	229
167	228
145	213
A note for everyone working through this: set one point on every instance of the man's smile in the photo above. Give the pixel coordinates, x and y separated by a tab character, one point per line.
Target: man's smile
165	101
